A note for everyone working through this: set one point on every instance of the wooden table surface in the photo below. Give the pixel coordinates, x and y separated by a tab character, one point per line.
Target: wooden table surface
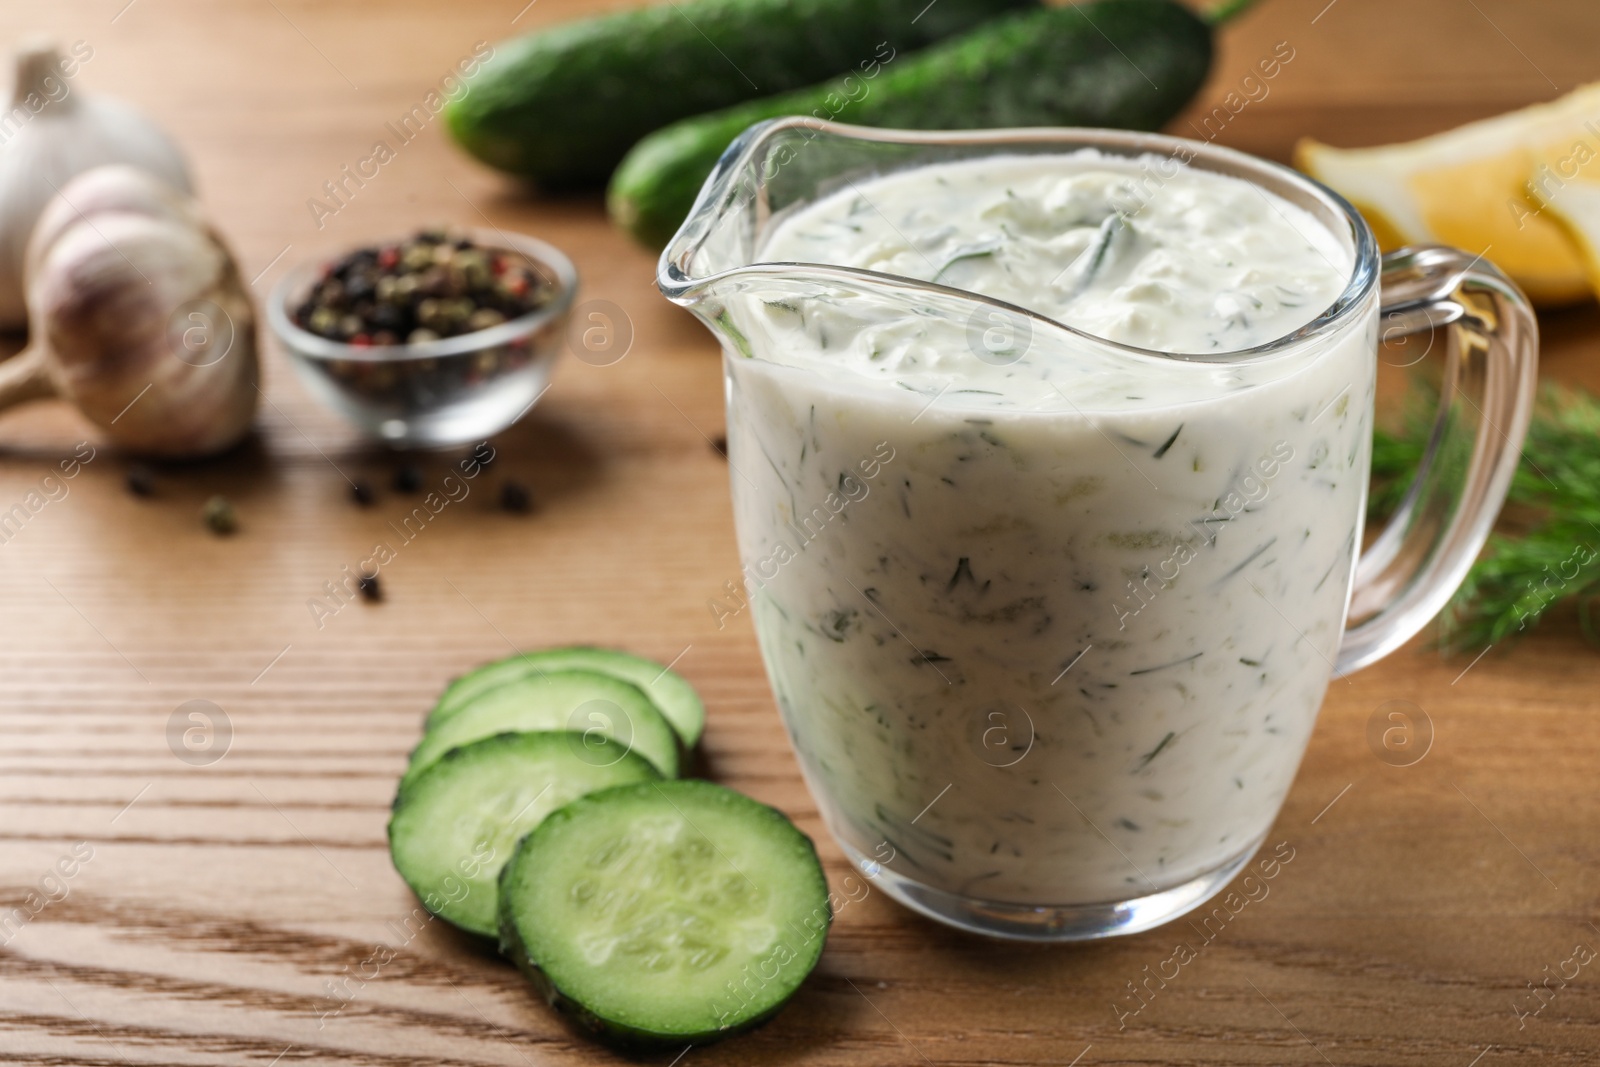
224	902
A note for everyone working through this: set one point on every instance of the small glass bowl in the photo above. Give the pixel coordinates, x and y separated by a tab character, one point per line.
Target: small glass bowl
435	394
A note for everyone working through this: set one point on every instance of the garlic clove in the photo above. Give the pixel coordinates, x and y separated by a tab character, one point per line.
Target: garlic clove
119	187
59	133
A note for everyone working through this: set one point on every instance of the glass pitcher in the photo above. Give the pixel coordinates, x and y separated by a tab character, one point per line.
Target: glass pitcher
1049	668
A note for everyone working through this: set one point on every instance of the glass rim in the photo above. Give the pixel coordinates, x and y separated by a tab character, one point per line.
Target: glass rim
678	285
541	254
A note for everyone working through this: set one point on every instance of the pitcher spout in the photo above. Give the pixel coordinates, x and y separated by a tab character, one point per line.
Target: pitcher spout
719	267
714	266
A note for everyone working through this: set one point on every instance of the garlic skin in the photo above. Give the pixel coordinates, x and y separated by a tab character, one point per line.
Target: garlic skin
118	187
138	317
64	133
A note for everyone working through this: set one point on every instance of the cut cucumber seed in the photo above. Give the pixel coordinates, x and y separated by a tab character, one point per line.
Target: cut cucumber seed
665	912
457	823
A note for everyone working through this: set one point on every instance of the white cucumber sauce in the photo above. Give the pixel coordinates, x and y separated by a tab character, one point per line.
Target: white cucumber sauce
1049	621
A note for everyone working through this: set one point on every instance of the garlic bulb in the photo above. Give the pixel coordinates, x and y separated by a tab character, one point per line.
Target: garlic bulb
138	317
58	134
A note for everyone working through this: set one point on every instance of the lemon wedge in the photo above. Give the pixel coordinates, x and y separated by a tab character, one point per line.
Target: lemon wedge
1478	187
1566	190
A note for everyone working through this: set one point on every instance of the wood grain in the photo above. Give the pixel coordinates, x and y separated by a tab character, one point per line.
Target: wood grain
226	906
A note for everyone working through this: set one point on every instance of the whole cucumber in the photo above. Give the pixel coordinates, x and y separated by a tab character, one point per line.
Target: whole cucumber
1130	64
562	106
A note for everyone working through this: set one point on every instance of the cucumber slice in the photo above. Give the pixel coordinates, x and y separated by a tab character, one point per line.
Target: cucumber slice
593	704
459	821
671	694
665	913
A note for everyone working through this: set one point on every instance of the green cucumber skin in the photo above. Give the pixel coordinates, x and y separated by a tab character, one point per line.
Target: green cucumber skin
428	749
605	661
611	1032
1071	66
627	1039
564	105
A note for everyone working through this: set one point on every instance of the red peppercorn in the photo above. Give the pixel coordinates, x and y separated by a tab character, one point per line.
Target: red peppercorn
388	257
361	340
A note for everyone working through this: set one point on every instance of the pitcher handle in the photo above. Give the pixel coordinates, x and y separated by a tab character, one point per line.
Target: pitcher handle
1485	402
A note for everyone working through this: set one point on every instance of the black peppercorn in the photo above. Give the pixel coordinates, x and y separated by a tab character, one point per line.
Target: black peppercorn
388	317
141	482
514	497
361	492
719	445
360	286
407	479
369	588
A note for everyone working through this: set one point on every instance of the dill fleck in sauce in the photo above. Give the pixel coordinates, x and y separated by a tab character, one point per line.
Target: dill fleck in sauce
1071	647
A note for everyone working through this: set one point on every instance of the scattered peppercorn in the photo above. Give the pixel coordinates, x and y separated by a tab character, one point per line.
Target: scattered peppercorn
719	445
220	516
431	286
141	482
361	492
514	497
368	585
407	478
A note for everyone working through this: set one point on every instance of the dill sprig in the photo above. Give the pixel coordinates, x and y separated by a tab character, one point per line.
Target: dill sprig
1545	551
